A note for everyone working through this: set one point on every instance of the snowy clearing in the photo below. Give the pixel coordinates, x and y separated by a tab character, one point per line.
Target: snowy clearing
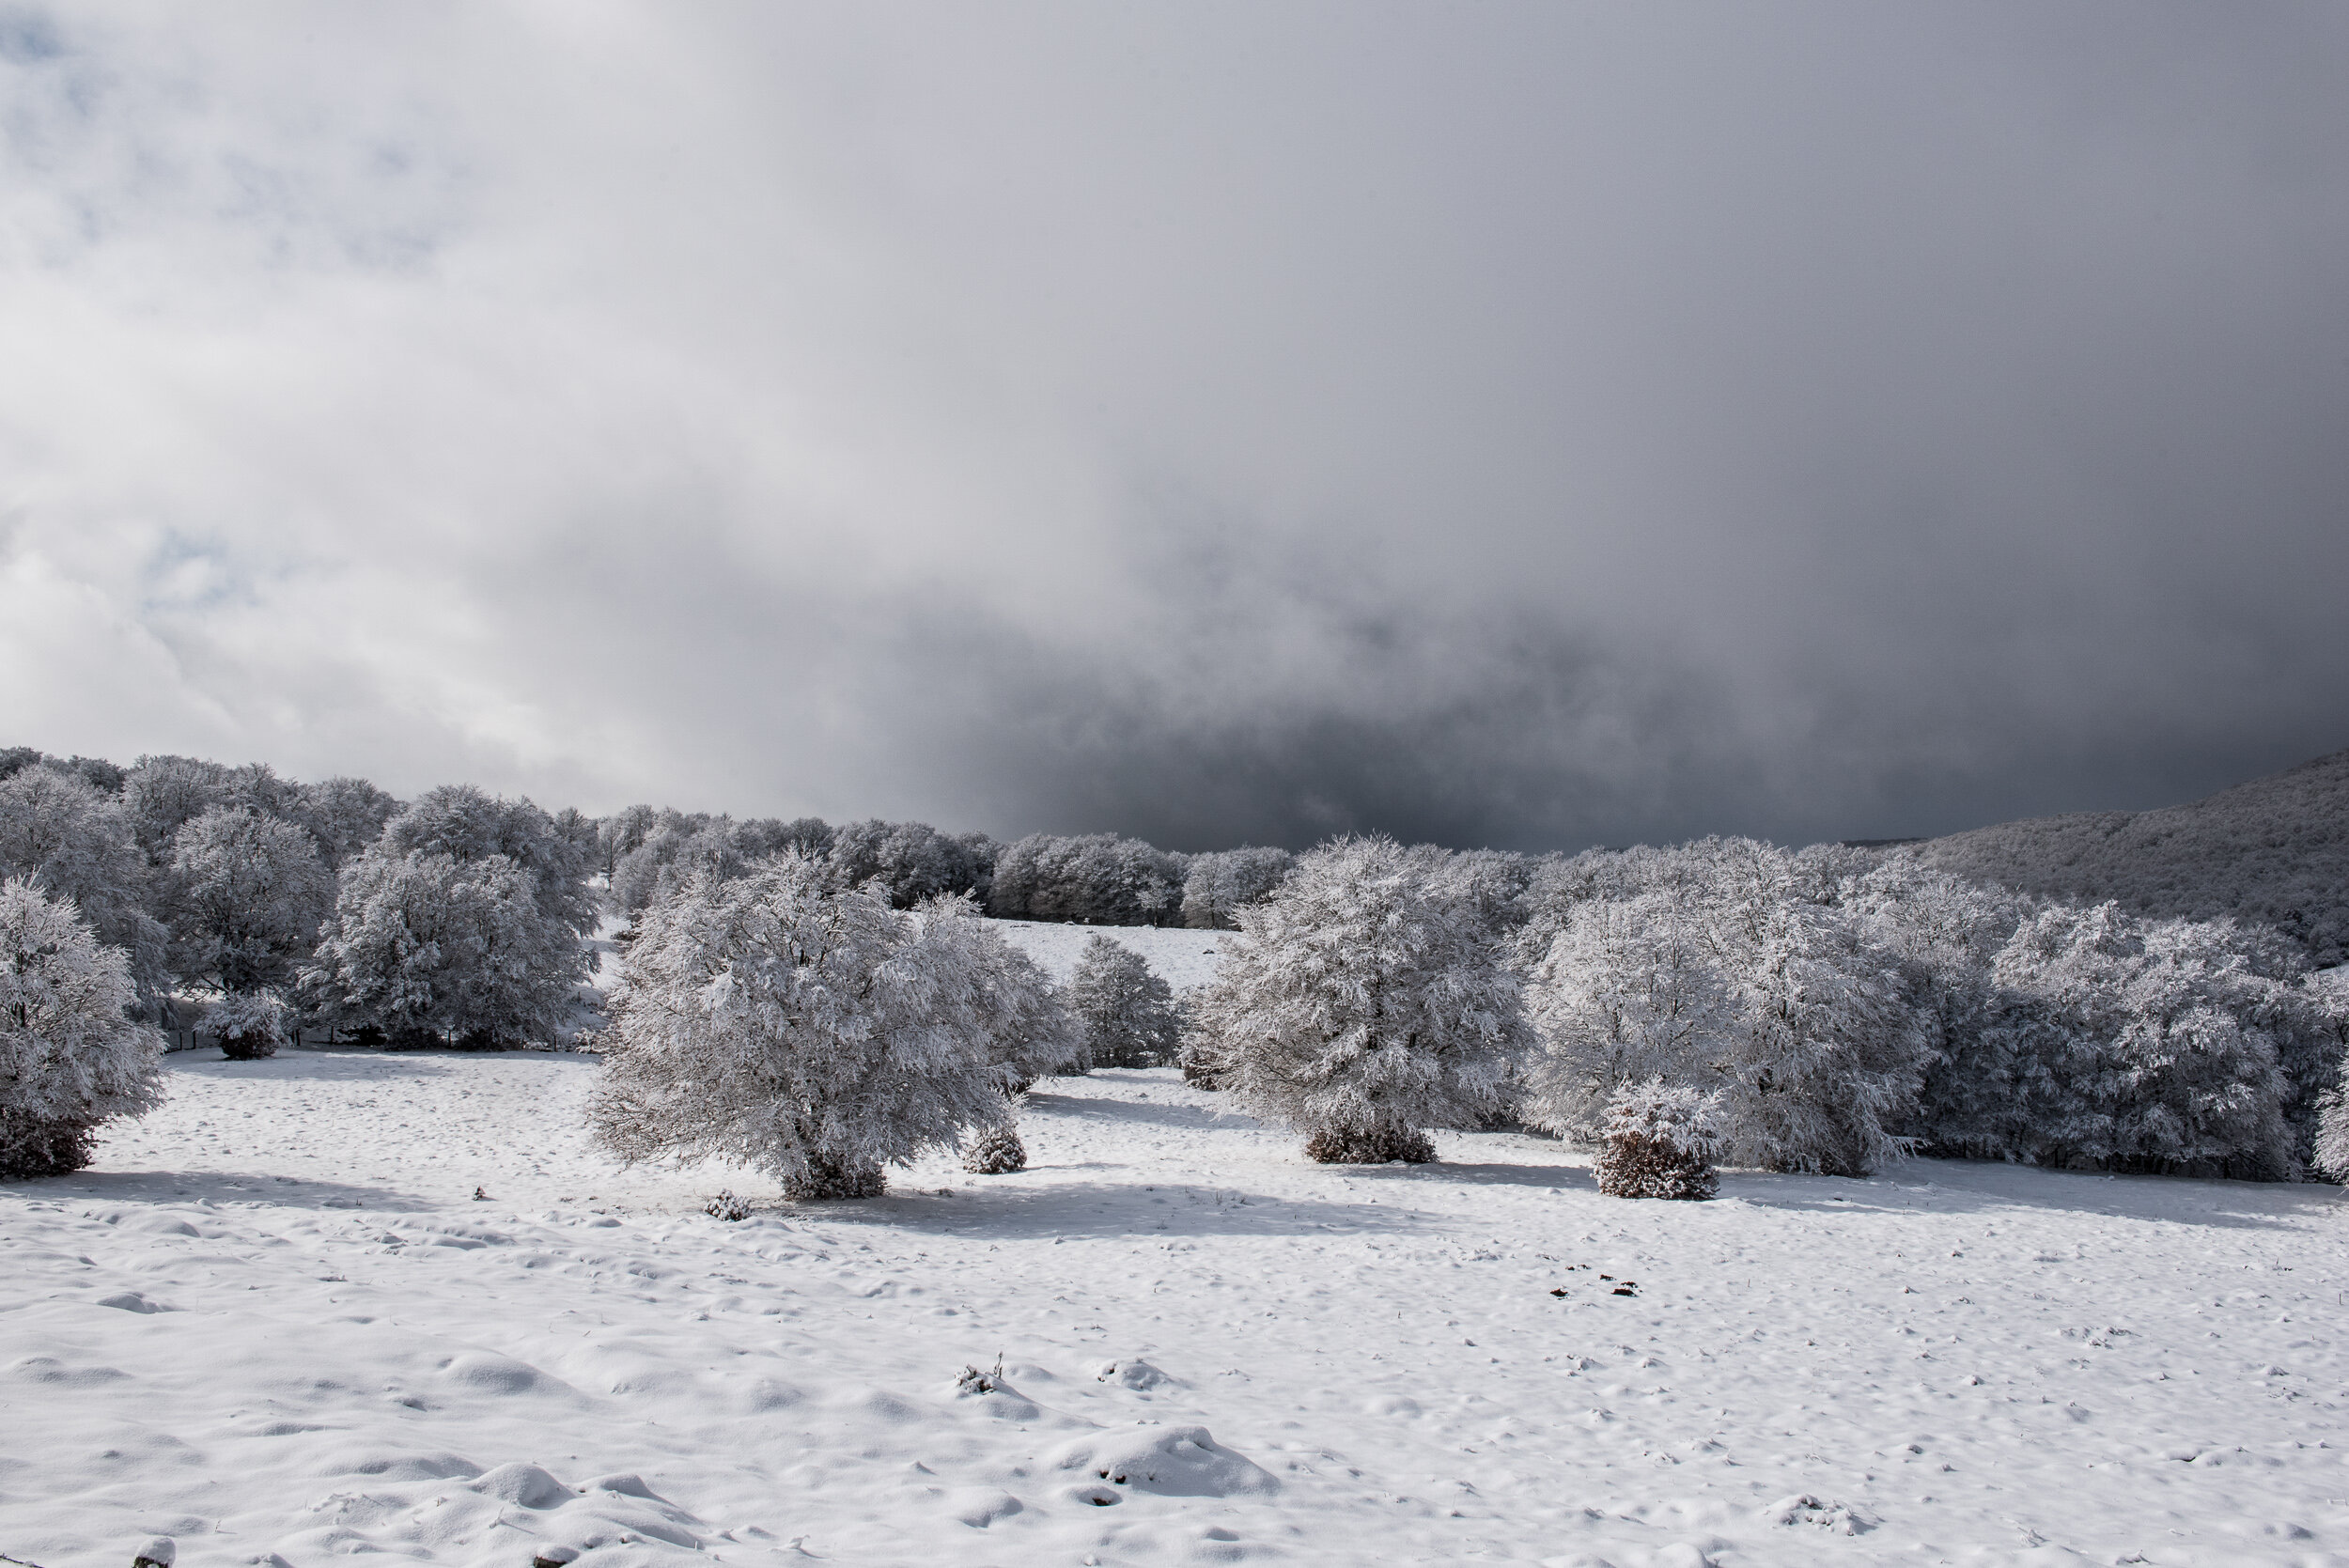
274	1319
1182	958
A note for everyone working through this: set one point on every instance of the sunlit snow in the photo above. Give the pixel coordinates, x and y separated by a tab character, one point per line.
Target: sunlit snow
276	1318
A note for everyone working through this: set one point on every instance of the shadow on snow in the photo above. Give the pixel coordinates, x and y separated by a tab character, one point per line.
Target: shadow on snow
1017	1210
219	1187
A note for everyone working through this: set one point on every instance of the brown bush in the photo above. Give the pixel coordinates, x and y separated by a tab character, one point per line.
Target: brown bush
37	1147
827	1178
1635	1165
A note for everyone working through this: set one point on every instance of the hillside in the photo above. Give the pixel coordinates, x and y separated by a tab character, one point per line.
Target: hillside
2275	850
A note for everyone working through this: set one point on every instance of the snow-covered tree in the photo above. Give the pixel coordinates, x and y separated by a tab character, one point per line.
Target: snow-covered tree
1827	1056
70	1057
1657	1142
1557	885
620	835
912	859
425	948
246	895
76	843
1705	967
103	776
462	924
674	854
345	815
809	835
2326	996
2184	1073
1096	877
472	826
995	1152
1127	1012
1628	993
1031	1031
164	794
249	1025
1493	883
812	1031
1216	883
1362	1003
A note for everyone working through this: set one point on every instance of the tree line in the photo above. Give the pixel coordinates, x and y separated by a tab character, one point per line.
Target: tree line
1823	1010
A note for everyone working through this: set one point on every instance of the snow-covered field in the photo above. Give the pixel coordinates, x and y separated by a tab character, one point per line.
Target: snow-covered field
1181	958
276	1323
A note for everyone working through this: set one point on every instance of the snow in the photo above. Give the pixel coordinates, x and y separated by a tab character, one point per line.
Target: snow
274	1324
1181	957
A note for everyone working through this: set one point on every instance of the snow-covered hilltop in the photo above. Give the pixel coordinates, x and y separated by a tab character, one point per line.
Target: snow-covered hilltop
2275	851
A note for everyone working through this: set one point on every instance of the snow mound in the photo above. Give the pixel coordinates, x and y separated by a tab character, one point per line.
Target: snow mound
132	1301
479	1522
1805	1509
1170	1460
524	1484
1141	1376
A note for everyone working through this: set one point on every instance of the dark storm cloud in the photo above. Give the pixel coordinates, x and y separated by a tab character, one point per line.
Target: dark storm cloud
1529	425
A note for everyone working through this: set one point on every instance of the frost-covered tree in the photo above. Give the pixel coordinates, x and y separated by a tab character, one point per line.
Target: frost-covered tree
673	855
1362	1003
1216	884
1990	1050
70	1057
1031	1031
76	843
621	833
912	859
472	826
1628	993
809	835
2183	1069
812	1031
1827	1056
995	1152
1657	1142
425	947
246	894
103	776
461	924
345	815
1127	1012
1707	967
2328	1153
1197	1051
1493	883
249	1025
1557	885
1097	877
164	794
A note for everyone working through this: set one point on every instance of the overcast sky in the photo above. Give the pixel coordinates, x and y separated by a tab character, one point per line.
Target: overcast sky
1533	426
